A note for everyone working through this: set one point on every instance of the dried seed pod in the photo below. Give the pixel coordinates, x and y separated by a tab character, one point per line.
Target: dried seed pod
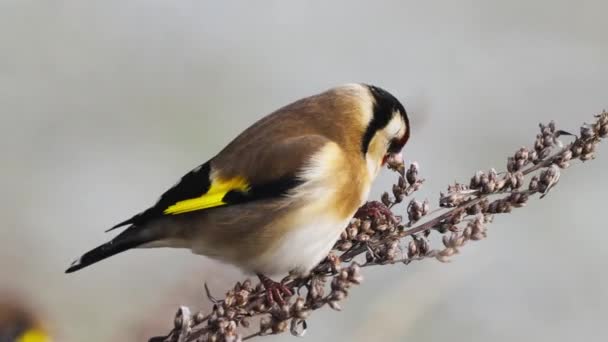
402	183
366	227
544	153
302	314
414	210
363	237
460	241
548	179
265	324
450	200
399	199
522	154
456	217
533	157
334	305
198	318
344	246
338	295
423	246
577	148
588	148
515	180
260	305
474	209
534	183
425	207
279	327
478	236
466	233
230	313
475	182
447	252
242	297
501	207
314	293
446	240
488	187
603	131
386	199
334	262
247	285
390	251
354	274
397	191
538	143
381	227
412	173
511	164
412	249
233	338
453	228
518	199
586	132
283	312
566	156
231	327
351	232
442	258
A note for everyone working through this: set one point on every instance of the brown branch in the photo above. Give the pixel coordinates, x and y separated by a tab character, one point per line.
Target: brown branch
380	237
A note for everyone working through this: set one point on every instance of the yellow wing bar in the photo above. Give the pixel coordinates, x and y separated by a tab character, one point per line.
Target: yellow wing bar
213	198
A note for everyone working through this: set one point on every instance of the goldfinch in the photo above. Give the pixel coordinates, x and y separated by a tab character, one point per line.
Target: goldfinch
18	324
276	198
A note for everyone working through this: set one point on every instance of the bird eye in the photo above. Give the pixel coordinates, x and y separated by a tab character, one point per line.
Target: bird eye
395	146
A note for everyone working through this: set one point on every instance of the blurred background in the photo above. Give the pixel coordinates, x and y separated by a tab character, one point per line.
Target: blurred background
104	105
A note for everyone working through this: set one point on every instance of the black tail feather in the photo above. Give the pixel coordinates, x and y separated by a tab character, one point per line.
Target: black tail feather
124	241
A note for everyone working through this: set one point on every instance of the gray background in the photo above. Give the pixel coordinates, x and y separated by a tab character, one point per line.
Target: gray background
104	105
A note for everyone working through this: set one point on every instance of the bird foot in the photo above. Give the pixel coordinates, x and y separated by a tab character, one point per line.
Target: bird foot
375	210
275	290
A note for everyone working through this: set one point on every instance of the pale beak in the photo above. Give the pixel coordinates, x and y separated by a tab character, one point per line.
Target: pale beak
394	161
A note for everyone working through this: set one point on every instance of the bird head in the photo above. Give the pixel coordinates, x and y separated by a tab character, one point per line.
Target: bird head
387	131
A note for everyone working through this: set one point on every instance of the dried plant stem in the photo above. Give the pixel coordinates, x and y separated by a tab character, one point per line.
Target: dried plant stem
377	234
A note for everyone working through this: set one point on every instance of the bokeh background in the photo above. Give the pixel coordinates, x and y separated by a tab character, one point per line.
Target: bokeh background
103	105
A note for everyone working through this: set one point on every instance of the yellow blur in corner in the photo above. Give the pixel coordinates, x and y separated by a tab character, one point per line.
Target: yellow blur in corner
19	322
34	335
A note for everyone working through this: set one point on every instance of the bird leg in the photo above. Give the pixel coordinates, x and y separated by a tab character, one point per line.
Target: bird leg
274	290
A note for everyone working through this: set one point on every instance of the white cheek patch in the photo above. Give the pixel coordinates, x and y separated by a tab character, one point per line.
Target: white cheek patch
395	126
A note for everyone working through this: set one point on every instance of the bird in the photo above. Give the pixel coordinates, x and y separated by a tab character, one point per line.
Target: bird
276	199
19	323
